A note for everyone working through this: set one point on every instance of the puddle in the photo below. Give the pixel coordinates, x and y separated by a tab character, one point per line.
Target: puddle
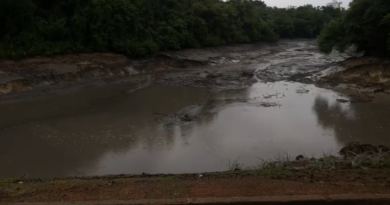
106	130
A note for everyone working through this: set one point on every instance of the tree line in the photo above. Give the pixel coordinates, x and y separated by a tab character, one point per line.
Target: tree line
365	25
144	27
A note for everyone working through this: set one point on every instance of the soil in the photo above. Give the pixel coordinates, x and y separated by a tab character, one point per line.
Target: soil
231	67
366	72
227	184
102	68
227	67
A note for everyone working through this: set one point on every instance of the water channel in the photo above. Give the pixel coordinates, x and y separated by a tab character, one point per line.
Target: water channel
107	130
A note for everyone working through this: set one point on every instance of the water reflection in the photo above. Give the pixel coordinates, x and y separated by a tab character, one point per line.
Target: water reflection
363	122
108	131
68	135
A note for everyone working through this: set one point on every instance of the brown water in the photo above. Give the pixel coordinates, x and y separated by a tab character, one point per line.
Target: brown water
107	131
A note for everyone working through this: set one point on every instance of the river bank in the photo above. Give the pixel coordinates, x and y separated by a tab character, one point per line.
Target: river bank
224	184
188	120
70	71
364	72
363	169
227	67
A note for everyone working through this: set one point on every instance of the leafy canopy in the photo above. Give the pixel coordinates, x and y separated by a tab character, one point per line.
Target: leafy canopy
366	25
144	27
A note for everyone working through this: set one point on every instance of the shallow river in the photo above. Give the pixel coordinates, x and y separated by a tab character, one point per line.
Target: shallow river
107	130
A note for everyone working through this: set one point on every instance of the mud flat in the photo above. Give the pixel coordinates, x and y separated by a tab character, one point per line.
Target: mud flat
189	111
74	70
364	72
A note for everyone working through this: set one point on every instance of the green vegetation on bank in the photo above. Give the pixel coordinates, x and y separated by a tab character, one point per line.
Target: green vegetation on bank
144	27
365	25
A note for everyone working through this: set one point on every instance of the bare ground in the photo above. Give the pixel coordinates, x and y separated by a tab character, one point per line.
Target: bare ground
227	67
364	72
29	74
227	184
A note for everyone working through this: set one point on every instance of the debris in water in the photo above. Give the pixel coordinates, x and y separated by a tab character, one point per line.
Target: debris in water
380	90
247	73
269	104
302	90
268	96
342	101
185	115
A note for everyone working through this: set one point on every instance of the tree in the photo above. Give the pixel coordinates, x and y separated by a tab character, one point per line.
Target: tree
143	27
365	25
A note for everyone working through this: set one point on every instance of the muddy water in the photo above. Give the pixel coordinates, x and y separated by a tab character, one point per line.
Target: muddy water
109	130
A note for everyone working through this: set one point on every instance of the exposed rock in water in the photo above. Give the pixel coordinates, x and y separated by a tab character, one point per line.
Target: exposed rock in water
226	79
342	101
192	113
302	90
269	104
183	116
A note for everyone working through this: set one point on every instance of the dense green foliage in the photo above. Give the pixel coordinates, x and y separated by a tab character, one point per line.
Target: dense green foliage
366	25
144	27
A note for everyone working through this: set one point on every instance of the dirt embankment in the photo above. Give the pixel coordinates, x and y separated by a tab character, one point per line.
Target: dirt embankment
29	73
226	184
39	72
364	71
323	177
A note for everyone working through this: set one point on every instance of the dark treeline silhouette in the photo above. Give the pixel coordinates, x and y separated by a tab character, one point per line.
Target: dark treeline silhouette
366	25
143	27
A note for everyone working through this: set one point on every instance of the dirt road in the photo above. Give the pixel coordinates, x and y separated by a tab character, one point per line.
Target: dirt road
228	184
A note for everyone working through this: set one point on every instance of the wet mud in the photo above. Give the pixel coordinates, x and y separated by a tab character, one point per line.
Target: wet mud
30	74
182	112
364	72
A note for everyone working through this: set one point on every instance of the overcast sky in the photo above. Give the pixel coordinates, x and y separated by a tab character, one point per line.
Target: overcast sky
285	3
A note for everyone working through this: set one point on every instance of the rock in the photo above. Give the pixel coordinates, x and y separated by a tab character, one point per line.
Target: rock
342	101
247	73
212	75
203	75
305	81
269	104
299	157
302	90
380	90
